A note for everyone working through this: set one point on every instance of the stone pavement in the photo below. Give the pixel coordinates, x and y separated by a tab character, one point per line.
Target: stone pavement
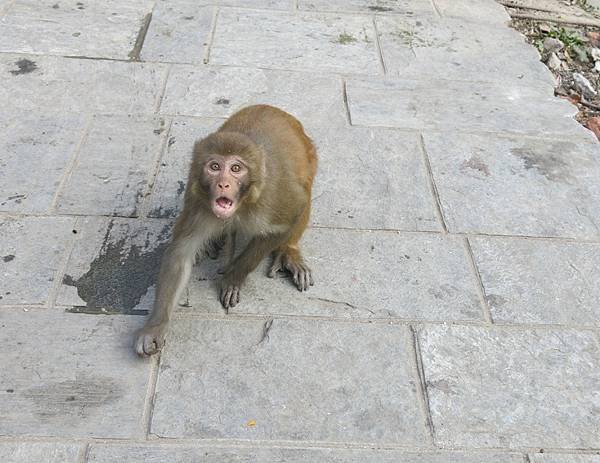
455	238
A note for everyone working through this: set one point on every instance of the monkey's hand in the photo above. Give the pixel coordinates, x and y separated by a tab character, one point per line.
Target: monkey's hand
230	293
150	339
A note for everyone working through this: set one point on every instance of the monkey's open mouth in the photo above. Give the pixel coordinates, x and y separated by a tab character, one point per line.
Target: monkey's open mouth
224	203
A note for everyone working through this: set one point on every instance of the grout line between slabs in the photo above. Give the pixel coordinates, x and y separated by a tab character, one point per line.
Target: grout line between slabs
62	268
378	45
72	164
417	362
150	395
487	314
432	186
211	37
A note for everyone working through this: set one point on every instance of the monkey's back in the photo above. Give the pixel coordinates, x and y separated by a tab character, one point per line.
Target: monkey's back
288	149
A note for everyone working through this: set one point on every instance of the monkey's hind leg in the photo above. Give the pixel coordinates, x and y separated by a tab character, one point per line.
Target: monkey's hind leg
288	257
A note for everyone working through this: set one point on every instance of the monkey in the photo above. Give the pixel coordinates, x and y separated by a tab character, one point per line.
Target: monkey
252	178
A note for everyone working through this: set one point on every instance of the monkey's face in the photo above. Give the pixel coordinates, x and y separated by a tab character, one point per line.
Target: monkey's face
225	180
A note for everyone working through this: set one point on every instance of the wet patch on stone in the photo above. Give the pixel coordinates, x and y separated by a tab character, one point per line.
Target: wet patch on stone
181	187
223	101
8	257
475	163
551	166
380	9
119	276
25	67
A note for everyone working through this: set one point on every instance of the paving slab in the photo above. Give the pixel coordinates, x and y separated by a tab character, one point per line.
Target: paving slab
114	167
408	8
444	48
288	380
32	250
491	387
168	190
313	41
179	32
113	266
516	186
563	458
106	29
87	383
128	454
540	281
357	184
36	150
475	11
361	275
28	452
220	91
482	107
34	83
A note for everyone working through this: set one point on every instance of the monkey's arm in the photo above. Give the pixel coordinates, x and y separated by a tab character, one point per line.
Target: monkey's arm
173	277
235	273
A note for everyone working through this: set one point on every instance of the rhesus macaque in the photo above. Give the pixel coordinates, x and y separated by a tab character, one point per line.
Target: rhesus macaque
252	178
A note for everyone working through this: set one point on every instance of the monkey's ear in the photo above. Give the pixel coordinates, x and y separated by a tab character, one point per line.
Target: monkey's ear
254	193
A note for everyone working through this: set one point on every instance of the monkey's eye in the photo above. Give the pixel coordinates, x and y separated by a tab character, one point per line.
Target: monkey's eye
214	166
235	168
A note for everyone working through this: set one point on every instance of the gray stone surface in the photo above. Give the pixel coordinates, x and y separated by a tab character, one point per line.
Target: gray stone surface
33	452
36	151
409	8
371	178
106	29
179	32
562	458
113	265
516	186
491	387
430	47
315	99
539	281
31	83
31	252
68	375
325	42
154	454
360	275
166	199
114	166
487	107
474	11
294	380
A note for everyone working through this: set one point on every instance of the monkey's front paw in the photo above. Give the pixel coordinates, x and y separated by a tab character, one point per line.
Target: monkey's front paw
150	339
301	275
230	295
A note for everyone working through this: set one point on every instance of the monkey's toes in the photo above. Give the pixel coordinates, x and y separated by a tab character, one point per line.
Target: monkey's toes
149	341
230	296
302	277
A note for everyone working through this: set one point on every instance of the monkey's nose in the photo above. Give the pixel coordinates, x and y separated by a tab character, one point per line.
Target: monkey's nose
223	186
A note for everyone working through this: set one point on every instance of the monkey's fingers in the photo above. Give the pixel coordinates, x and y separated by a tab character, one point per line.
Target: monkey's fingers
149	343
230	296
276	266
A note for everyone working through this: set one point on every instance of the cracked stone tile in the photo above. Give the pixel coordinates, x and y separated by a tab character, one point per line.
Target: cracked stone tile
492	387
359	274
430	47
106	29
533	281
31	252
516	186
563	458
408	8
68	85
114	165
462	106
357	183
178	33
36	151
288	380
219	92
27	452
113	266
477	11
316	41
101	453
71	375
166	199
